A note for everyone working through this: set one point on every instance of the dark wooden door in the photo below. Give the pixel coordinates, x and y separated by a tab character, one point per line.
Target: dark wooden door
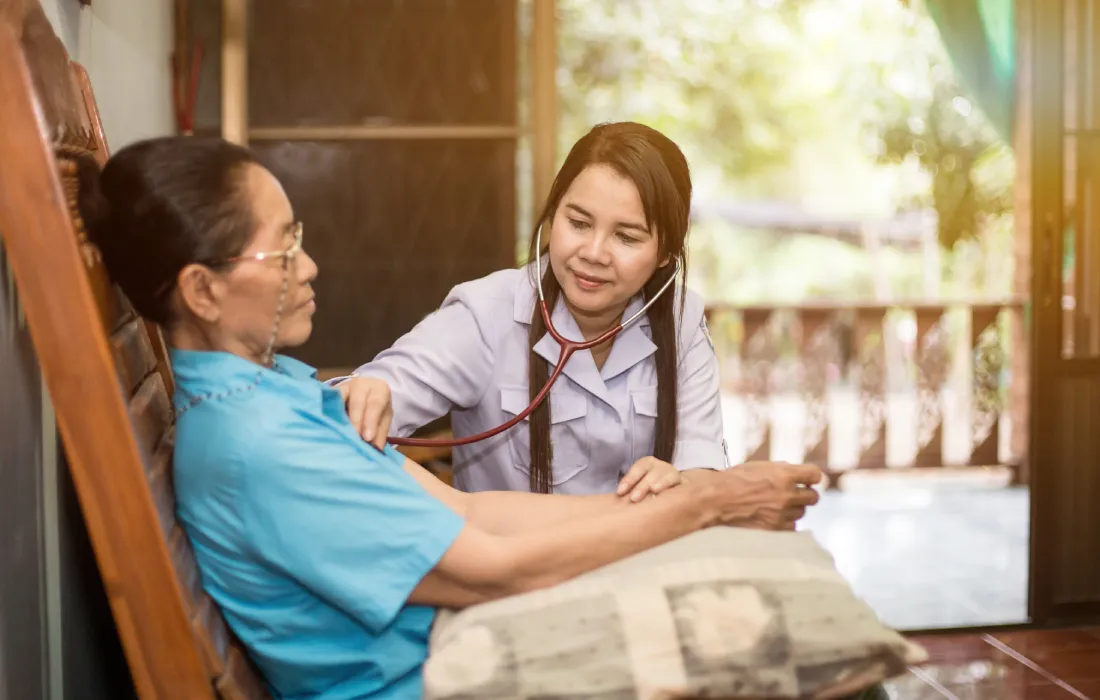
1065	415
392	124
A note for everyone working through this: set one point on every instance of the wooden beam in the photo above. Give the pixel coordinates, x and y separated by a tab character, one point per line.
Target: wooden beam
235	71
1018	399
544	100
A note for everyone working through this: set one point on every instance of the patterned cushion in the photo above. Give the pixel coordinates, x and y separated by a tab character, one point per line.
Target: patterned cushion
725	612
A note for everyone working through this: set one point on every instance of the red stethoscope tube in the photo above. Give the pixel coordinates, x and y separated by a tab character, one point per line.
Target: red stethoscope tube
568	347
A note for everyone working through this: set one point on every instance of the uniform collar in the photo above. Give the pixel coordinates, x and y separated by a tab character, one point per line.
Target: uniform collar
630	347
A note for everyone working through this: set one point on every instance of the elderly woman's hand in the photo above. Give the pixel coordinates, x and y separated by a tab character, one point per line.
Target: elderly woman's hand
369	407
762	495
648	476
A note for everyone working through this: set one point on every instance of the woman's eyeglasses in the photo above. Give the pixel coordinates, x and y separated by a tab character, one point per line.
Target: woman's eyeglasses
287	256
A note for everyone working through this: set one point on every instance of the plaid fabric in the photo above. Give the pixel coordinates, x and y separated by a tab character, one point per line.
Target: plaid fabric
725	612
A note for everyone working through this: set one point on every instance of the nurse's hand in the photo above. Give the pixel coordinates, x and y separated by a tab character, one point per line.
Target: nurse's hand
648	476
369	407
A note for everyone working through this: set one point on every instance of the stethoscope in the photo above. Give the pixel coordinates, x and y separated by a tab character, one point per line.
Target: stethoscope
568	347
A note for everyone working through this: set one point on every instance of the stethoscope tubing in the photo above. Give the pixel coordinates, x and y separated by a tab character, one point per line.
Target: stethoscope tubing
567	348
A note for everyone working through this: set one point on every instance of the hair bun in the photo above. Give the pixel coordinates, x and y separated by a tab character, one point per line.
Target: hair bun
92	204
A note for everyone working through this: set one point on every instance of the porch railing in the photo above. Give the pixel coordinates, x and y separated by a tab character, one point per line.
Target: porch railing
868	386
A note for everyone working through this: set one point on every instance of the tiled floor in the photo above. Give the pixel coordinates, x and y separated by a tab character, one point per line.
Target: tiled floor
930	557
1021	665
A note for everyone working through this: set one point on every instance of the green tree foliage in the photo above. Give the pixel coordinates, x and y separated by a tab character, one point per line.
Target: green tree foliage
713	74
937	124
801	100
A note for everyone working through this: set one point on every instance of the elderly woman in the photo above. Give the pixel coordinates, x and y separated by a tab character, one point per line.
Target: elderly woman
327	554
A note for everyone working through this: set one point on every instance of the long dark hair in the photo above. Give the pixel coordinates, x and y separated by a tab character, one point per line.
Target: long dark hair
163	204
659	170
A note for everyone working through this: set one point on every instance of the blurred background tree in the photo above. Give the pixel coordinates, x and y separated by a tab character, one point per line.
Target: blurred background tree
844	109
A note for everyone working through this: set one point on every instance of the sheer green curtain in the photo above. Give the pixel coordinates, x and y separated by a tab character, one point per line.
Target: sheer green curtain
980	36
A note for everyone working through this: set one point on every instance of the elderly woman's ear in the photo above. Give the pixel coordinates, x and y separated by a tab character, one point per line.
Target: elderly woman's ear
200	292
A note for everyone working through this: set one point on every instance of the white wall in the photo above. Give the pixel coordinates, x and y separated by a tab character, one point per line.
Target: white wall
126	47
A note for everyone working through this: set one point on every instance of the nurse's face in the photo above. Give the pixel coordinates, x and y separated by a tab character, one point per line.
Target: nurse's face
601	248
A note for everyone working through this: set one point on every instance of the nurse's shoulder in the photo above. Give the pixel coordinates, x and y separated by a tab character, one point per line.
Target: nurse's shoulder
495	300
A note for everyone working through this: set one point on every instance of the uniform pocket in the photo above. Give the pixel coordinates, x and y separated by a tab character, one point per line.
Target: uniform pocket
568	431
643	420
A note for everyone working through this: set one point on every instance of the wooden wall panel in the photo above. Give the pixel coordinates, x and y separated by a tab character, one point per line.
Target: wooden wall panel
393	225
417	193
425	200
382	62
1077	525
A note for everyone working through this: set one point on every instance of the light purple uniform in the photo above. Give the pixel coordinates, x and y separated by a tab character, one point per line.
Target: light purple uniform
469	358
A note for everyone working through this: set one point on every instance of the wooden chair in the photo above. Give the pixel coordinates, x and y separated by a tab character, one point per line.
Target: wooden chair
107	374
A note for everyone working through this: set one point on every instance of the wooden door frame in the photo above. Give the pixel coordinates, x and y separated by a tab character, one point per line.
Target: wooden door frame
234	71
1050	369
544	100
1046	173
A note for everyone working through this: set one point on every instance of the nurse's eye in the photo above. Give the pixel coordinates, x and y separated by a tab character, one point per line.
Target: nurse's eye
578	224
627	238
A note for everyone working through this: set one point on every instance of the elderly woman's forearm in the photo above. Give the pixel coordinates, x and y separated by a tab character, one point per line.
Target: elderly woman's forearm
580	545
481	566
515	512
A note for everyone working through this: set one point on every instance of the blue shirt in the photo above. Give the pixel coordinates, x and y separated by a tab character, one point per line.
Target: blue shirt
309	539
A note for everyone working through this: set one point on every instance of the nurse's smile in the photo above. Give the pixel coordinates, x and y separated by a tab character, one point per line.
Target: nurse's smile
588	283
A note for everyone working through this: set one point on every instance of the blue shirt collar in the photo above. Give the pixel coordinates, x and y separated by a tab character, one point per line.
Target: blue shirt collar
205	372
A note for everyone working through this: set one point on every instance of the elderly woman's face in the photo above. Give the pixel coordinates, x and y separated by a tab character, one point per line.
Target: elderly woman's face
253	287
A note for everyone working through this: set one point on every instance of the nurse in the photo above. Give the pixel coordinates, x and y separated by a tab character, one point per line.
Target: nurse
612	230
